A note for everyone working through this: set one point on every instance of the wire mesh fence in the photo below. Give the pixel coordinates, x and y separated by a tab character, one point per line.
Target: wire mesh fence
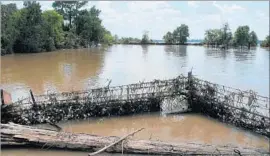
241	108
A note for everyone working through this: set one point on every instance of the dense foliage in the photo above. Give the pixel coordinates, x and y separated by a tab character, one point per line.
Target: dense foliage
266	42
168	38
223	37
67	26
69	9
145	38
127	40
130	40
10	32
179	35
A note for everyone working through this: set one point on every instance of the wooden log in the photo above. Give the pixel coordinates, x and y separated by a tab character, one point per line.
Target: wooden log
35	137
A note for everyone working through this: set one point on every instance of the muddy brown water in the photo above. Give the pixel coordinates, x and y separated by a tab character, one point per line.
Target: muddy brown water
68	70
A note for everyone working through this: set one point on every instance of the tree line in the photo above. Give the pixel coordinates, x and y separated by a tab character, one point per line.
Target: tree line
224	38
66	26
243	37
129	40
221	38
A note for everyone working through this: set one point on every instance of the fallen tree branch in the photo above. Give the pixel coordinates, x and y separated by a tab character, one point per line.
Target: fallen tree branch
106	147
56	126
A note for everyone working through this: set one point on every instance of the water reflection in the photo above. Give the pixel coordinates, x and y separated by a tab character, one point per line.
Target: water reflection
243	55
176	50
217	53
144	49
66	70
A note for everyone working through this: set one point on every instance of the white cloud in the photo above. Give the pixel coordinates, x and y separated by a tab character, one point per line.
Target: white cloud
228	8
262	16
135	6
19	4
131	18
194	4
45	5
140	15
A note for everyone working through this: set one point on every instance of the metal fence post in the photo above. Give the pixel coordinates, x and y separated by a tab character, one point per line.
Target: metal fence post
2	97
189	78
33	98
127	93
34	115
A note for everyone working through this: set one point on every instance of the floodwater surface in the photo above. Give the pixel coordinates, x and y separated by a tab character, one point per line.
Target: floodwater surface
81	69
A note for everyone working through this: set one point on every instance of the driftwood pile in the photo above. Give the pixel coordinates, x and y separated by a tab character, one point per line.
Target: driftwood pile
13	134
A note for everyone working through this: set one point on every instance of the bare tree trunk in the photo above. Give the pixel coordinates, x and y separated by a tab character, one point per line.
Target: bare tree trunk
14	134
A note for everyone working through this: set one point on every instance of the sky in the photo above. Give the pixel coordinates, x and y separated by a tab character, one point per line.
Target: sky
132	18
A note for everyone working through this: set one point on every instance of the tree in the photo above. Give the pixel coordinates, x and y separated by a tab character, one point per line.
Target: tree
145	38
53	31
168	38
68	9
89	27
115	38
266	42
241	36
213	37
108	38
208	37
226	35
30	28
253	39
8	24
180	34
217	37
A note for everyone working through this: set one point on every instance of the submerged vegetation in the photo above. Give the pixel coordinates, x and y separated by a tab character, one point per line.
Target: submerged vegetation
127	40
130	40
178	36
223	38
67	26
266	42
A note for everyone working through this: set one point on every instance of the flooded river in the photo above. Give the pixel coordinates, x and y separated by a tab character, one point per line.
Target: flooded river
68	70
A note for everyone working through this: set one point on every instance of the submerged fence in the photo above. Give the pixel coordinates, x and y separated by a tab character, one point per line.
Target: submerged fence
241	108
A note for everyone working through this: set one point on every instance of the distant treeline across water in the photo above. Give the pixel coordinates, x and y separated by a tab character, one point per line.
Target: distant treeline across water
188	41
192	41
